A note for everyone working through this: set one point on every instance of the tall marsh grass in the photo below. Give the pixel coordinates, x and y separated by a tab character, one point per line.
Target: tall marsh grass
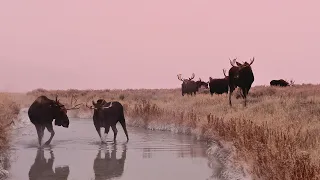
277	134
9	109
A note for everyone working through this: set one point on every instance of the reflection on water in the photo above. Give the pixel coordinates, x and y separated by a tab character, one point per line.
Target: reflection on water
109	167
42	169
153	155
146	153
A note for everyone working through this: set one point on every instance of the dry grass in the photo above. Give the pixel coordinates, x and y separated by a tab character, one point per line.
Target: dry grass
9	110
277	134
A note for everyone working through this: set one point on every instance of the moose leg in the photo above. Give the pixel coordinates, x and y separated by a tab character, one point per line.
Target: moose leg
40	132
123	124
115	132
106	131
50	129
98	131
230	94
244	92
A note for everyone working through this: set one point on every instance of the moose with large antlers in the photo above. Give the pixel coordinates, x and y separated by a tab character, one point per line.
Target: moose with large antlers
42	112
189	86
108	114
240	75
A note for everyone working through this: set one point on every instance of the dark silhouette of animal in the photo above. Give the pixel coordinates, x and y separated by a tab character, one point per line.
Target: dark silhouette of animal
191	87
201	83
280	82
109	167
240	75
219	86
188	86
42	112
43	169
108	114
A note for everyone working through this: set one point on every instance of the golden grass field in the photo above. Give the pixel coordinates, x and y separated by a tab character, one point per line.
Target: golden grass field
277	134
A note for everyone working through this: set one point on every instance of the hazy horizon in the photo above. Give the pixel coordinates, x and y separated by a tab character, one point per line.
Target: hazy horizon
145	44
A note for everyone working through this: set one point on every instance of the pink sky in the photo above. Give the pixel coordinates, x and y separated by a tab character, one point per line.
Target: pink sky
98	44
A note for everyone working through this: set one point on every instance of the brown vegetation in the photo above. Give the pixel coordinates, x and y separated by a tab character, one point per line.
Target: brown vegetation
277	134
9	110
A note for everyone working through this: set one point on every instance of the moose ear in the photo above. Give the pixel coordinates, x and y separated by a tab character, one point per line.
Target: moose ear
239	64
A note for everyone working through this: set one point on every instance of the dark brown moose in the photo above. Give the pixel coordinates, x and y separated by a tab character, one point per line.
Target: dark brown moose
189	86
43	111
219	86
108	114
281	83
240	75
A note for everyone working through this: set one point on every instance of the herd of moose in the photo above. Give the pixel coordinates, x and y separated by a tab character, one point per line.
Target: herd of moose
43	110
239	75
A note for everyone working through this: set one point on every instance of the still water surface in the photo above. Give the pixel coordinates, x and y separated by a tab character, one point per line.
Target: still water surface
76	153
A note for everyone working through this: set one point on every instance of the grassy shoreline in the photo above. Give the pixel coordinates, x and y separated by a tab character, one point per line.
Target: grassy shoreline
276	135
9	110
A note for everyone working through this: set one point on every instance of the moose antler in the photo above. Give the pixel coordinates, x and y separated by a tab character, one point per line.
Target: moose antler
291	82
73	98
252	60
192	76
224	72
179	77
91	107
107	106
233	61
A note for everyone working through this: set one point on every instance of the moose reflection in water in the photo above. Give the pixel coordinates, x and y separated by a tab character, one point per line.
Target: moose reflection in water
42	169
109	167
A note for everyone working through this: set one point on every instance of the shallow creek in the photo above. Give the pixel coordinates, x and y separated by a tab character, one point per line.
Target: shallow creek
76	153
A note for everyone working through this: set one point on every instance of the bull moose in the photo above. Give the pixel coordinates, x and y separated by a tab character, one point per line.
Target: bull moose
189	86
108	114
219	86
42	112
240	75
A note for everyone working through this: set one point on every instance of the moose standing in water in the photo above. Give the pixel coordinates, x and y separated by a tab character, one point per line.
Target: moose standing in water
42	112
108	114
